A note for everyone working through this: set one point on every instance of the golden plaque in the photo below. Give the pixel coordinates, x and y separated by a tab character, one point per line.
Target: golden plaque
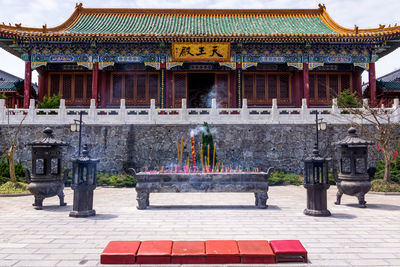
201	51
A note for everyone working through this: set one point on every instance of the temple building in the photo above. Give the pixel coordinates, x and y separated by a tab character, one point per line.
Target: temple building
198	54
387	88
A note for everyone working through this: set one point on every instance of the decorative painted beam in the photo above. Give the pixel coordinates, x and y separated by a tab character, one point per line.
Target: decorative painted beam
103	65
171	65
313	65
88	65
231	65
246	65
297	65
35	65
365	66
155	65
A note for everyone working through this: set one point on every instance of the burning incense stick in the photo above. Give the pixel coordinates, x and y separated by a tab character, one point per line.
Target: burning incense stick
201	157
181	161
213	162
193	152
208	155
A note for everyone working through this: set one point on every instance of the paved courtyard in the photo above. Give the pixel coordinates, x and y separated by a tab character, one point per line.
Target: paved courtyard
351	236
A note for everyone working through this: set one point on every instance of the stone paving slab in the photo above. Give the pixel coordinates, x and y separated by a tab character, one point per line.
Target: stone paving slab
350	237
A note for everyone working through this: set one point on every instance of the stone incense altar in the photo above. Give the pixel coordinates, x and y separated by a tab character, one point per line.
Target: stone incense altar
156	182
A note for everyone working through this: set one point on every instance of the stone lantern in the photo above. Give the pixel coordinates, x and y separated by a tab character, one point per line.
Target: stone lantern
46	180
353	178
316	183
84	182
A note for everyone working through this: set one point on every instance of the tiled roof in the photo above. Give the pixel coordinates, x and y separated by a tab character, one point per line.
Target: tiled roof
390	86
7	86
272	24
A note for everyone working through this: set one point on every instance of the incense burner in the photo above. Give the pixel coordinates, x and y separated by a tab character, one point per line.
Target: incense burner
255	182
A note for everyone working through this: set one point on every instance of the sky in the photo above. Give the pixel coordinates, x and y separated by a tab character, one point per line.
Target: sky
347	13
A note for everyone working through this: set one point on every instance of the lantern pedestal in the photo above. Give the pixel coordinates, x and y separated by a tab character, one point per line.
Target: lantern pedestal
83	201
83	183
316	200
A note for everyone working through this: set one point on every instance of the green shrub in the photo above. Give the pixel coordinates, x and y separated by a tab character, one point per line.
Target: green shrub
394	170
346	99
118	180
331	179
281	178
51	102
379	185
3	96
5	171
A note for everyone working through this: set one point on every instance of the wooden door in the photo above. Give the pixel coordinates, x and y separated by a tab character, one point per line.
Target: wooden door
180	89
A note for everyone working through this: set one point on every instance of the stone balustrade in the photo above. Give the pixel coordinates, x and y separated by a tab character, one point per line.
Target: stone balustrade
151	116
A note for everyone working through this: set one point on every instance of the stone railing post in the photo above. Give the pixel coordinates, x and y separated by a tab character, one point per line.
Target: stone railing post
62	111
365	102
2	110
214	111
304	110
335	108
31	111
183	112
92	110
274	111
153	112
396	110
244	113
122	111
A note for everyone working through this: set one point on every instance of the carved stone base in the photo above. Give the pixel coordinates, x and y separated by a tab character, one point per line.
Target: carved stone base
83	213
320	213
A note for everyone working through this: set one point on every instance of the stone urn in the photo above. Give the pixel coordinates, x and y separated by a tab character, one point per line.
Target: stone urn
353	178
46	179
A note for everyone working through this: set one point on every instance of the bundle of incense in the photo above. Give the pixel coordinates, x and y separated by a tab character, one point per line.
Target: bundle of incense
213	162
201	157
208	155
193	152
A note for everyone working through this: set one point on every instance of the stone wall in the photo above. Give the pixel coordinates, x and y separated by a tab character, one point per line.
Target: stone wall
136	146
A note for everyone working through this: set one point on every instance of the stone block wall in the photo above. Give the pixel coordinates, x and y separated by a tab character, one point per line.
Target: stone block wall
135	146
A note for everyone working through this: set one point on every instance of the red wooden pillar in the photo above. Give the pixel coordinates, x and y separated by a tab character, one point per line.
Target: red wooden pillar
162	101
357	83
239	95
233	89
41	84
297	94
372	83
13	101
95	82
168	89
103	89
27	84
306	84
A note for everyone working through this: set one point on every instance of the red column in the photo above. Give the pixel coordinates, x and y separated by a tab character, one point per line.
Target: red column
357	83
41	84
233	89
13	101
168	88
372	84
27	84
103	89
297	89
95	82
306	84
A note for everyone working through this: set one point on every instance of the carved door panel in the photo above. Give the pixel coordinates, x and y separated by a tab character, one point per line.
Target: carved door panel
222	89
180	89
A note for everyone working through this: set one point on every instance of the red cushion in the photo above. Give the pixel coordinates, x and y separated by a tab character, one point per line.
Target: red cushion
255	251
154	252
288	250
222	252
188	252
120	252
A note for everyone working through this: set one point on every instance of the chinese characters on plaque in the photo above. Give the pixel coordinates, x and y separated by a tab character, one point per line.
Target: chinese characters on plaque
201	51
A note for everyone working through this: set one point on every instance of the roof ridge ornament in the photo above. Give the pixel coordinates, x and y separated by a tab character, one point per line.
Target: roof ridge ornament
78	6
321	7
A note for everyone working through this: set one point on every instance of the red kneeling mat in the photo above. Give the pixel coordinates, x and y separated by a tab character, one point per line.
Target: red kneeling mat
255	251
154	252
188	252
120	252
288	250
222	252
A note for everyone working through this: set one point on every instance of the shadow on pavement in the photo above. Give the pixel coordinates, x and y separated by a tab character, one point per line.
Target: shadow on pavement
210	207
343	216
377	206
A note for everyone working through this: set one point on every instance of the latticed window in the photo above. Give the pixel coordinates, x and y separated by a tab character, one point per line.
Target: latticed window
325	86
75	87
261	87
137	88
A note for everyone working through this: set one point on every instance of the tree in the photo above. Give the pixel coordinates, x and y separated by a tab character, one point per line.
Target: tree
11	147
380	125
